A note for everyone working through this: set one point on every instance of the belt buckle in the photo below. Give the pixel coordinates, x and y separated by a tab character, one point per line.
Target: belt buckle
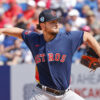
50	90
56	92
59	92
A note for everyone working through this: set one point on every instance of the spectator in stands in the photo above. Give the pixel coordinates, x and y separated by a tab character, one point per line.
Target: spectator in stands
21	22
58	6
3	20
1	6
8	1
33	21
97	11
55	4
75	19
28	57
48	4
14	53
41	5
31	7
26	54
68	27
84	10
79	5
6	41
92	22
69	4
86	28
13	11
92	3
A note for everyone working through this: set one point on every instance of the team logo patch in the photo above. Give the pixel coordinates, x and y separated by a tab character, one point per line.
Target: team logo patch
42	19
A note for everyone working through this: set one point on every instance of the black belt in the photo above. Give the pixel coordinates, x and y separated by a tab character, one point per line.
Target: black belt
53	91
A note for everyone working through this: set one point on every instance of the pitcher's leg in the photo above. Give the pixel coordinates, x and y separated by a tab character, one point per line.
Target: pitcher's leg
70	95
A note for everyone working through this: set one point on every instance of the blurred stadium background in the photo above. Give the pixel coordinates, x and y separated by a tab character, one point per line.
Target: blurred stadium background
17	67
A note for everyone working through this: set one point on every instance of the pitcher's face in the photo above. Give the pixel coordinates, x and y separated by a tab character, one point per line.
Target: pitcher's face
51	27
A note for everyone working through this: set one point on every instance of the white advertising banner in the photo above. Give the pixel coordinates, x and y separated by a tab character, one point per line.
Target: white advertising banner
86	82
83	82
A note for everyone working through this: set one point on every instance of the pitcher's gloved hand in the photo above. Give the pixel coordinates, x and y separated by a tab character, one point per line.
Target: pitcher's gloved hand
91	59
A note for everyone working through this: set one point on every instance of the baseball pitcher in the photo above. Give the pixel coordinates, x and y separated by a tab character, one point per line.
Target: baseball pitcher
53	51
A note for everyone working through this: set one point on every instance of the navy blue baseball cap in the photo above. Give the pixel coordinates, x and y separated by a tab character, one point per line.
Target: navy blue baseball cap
47	15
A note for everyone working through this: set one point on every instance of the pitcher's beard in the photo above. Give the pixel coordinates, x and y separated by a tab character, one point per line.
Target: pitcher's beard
54	33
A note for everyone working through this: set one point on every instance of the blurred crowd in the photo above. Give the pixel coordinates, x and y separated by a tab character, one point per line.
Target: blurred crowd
73	15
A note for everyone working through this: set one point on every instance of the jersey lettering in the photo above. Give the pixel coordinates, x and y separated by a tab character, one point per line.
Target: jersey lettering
63	58
51	56
57	56
43	57
37	59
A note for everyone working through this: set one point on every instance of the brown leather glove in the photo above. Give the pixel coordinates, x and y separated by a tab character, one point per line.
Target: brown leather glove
91	59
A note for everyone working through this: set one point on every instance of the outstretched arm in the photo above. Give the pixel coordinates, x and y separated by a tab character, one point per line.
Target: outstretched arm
88	38
92	57
16	32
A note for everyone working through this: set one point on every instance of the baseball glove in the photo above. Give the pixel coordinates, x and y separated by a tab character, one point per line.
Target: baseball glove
91	59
